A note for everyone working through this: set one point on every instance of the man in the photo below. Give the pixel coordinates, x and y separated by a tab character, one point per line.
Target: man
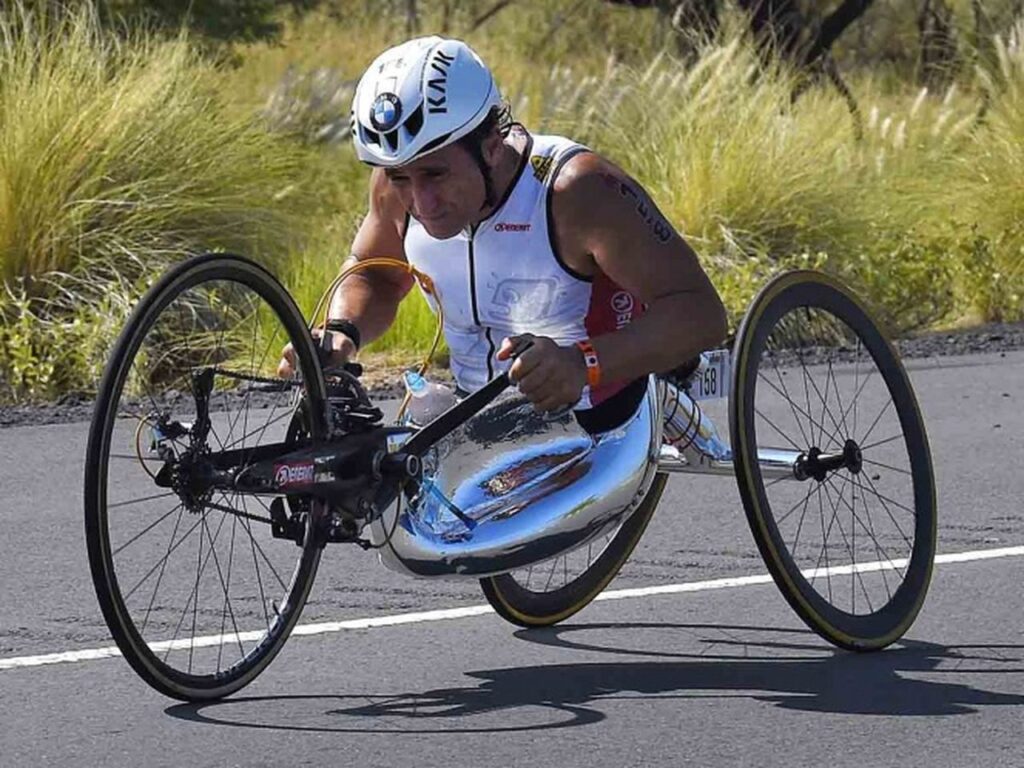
526	238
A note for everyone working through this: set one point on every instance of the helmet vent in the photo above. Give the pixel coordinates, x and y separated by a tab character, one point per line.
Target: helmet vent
371	137
435	143
414	122
392	139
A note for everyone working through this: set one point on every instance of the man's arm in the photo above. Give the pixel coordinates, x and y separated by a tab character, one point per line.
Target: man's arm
605	221
370	298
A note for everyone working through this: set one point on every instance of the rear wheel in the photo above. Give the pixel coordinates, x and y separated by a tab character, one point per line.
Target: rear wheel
553	591
850	536
197	592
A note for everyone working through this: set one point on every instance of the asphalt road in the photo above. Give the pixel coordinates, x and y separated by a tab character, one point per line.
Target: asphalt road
717	673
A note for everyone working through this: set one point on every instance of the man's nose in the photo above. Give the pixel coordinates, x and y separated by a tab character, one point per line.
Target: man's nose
425	199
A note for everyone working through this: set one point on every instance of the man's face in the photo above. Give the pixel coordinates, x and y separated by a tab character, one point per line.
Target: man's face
444	190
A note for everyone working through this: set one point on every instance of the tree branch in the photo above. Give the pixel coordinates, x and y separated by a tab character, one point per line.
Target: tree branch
834	26
484	17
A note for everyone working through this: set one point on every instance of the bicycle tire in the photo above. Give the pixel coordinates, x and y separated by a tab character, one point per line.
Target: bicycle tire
518	604
803	301
191	278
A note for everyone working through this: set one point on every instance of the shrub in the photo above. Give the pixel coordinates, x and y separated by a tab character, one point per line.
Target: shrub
117	157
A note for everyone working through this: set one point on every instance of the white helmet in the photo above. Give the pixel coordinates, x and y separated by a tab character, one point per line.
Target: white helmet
417	97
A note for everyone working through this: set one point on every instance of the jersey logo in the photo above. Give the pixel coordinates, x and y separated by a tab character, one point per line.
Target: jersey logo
622	306
522	300
541	166
504	226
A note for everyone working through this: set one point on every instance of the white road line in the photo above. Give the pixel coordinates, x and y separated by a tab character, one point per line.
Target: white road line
420	617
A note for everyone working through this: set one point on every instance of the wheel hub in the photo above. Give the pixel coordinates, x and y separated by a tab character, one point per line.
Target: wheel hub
819	465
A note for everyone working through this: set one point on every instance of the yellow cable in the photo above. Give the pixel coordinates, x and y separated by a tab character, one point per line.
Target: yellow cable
425	283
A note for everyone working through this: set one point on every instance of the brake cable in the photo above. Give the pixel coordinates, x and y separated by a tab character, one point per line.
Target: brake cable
421	278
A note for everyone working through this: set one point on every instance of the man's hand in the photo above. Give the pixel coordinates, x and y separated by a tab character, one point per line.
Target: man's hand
339	351
548	375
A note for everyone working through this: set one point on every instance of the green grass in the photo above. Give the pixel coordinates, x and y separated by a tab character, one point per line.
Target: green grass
117	158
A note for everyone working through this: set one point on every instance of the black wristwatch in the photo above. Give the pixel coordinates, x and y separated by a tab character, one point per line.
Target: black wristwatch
344	326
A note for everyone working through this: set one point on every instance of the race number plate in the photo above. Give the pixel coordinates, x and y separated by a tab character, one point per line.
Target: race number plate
711	380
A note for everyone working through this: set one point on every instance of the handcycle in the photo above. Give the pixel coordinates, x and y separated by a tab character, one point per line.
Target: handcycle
212	486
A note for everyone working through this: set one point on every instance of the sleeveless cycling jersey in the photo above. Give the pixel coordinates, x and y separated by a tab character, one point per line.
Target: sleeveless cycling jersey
504	277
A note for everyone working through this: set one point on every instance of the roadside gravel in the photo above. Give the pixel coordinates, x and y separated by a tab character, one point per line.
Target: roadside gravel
998	337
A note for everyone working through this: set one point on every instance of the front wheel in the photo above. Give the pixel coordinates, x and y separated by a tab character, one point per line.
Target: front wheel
198	590
849	536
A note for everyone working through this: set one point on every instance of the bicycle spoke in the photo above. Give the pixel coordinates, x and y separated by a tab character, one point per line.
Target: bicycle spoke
882	497
781	433
159	562
881	442
800	525
824	547
141	499
886	466
147	529
258	430
223	611
875	422
824	401
839	398
266	559
223	585
256	567
791	510
885	506
856	395
795	409
156	588
883	554
193	601
547	584
788	399
857	577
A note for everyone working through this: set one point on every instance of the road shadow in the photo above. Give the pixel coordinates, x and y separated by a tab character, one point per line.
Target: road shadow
792	670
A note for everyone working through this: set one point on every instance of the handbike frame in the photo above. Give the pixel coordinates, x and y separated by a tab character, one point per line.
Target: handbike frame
360	474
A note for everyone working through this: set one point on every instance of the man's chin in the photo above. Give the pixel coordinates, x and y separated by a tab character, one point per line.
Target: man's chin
440	229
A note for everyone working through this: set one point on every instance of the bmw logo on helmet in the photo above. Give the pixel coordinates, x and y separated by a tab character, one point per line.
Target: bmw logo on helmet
386	112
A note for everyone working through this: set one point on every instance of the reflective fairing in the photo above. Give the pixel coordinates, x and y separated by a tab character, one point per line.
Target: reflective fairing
509	489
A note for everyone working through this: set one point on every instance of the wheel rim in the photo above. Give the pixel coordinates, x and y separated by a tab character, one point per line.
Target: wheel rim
199	585
559	573
855	538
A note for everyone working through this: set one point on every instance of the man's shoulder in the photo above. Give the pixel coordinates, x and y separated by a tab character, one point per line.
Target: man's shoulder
384	201
585	186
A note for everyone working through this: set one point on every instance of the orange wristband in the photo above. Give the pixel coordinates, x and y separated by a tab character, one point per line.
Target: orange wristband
593	364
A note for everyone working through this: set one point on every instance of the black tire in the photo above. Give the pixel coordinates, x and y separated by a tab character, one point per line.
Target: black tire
810	329
517	603
198	315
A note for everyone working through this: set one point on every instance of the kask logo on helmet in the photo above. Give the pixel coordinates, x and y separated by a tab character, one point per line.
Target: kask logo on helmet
439	85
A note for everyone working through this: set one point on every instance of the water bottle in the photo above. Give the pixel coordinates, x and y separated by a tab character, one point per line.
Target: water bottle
429	399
